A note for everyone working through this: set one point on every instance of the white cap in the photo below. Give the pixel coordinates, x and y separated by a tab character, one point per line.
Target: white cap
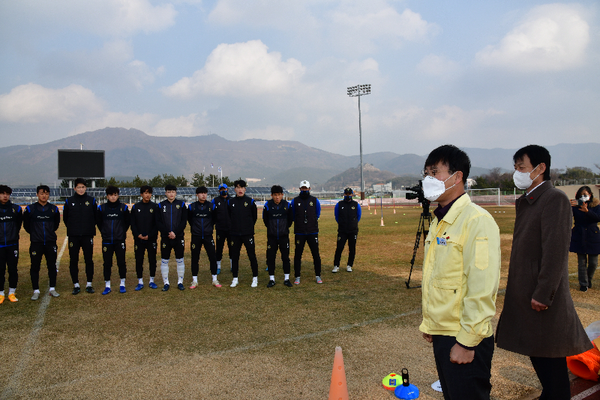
305	184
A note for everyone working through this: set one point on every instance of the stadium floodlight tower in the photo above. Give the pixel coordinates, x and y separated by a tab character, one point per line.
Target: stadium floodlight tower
357	91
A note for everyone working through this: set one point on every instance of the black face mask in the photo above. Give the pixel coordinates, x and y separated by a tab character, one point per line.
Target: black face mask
304	194
223	193
347	198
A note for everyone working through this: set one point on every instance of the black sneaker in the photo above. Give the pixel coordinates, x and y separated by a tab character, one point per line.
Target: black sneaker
287	283
271	284
76	290
583	288
89	289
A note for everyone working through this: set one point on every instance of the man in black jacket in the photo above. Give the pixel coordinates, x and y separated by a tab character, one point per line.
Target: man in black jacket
347	214
201	220
277	217
79	215
243	215
222	224
41	220
172	219
113	220
11	218
145	235
306	210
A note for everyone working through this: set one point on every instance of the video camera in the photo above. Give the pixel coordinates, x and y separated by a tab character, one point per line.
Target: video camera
419	195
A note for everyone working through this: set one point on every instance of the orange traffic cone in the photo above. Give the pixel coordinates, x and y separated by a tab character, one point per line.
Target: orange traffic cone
338	390
394	211
382	222
375	212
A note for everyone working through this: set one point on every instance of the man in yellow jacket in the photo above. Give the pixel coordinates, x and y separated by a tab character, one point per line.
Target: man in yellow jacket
461	272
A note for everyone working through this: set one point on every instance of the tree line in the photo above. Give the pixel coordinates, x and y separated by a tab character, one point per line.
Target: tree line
504	180
210	180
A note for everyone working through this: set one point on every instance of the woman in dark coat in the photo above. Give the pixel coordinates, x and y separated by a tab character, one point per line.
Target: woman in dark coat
585	237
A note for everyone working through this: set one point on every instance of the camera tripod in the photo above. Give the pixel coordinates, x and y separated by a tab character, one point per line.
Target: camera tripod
421	230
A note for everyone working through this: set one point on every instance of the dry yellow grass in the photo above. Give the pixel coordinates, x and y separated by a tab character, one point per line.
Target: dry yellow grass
246	343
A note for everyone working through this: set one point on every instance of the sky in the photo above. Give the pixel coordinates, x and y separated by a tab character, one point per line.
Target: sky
473	73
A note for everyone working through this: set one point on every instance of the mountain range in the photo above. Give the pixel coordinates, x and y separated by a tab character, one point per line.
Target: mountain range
131	152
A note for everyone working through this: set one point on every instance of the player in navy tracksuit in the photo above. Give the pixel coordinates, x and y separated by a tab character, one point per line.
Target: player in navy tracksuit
145	234
243	215
277	217
113	220
172	218
306	210
201	220
41	220
11	218
79	216
347	214
222	224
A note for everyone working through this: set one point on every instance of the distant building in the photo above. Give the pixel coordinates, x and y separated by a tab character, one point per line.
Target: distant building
382	187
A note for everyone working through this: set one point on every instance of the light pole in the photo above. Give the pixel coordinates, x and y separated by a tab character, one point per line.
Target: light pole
357	91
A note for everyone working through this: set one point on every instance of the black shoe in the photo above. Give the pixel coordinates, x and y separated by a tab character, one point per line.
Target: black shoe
590	283
271	284
287	283
76	290
583	288
89	289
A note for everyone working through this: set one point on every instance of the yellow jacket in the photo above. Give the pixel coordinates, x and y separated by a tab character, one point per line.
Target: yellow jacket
461	272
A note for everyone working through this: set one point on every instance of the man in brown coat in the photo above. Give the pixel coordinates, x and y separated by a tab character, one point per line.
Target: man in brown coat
539	319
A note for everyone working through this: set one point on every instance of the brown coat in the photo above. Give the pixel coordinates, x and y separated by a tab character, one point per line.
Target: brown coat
539	270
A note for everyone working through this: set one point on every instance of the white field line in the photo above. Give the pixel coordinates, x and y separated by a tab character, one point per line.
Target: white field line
586	393
11	388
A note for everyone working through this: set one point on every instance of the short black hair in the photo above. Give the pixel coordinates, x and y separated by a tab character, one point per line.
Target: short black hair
80	180
453	157
146	188
276	189
45	188
5	189
537	155
240	183
587	189
112	190
170	187
201	189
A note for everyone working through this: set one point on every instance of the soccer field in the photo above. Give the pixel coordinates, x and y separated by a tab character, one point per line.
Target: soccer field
243	342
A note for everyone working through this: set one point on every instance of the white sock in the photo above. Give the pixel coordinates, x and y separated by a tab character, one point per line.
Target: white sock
272	277
51	289
286	277
218	264
107	284
164	270
11	290
151	279
180	270
230	263
76	285
89	284
194	279
214	278
1	292
36	291
141	281
122	282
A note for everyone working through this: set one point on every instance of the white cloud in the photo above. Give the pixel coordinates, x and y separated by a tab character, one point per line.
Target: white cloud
438	66
552	37
190	125
32	103
240	69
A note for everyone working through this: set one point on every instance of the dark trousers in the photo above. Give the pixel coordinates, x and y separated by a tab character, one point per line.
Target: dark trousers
36	252
464	381
9	257
222	237
283	244
235	248
313	245
166	245
118	249
209	247
141	246
554	377
341	242
85	243
586	266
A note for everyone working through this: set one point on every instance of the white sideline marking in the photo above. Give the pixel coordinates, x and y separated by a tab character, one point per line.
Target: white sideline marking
587	392
228	351
10	389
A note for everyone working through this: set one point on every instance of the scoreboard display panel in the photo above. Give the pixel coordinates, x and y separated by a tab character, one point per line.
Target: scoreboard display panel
74	164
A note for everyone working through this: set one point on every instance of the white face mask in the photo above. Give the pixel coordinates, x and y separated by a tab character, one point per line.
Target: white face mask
433	188
585	198
523	180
